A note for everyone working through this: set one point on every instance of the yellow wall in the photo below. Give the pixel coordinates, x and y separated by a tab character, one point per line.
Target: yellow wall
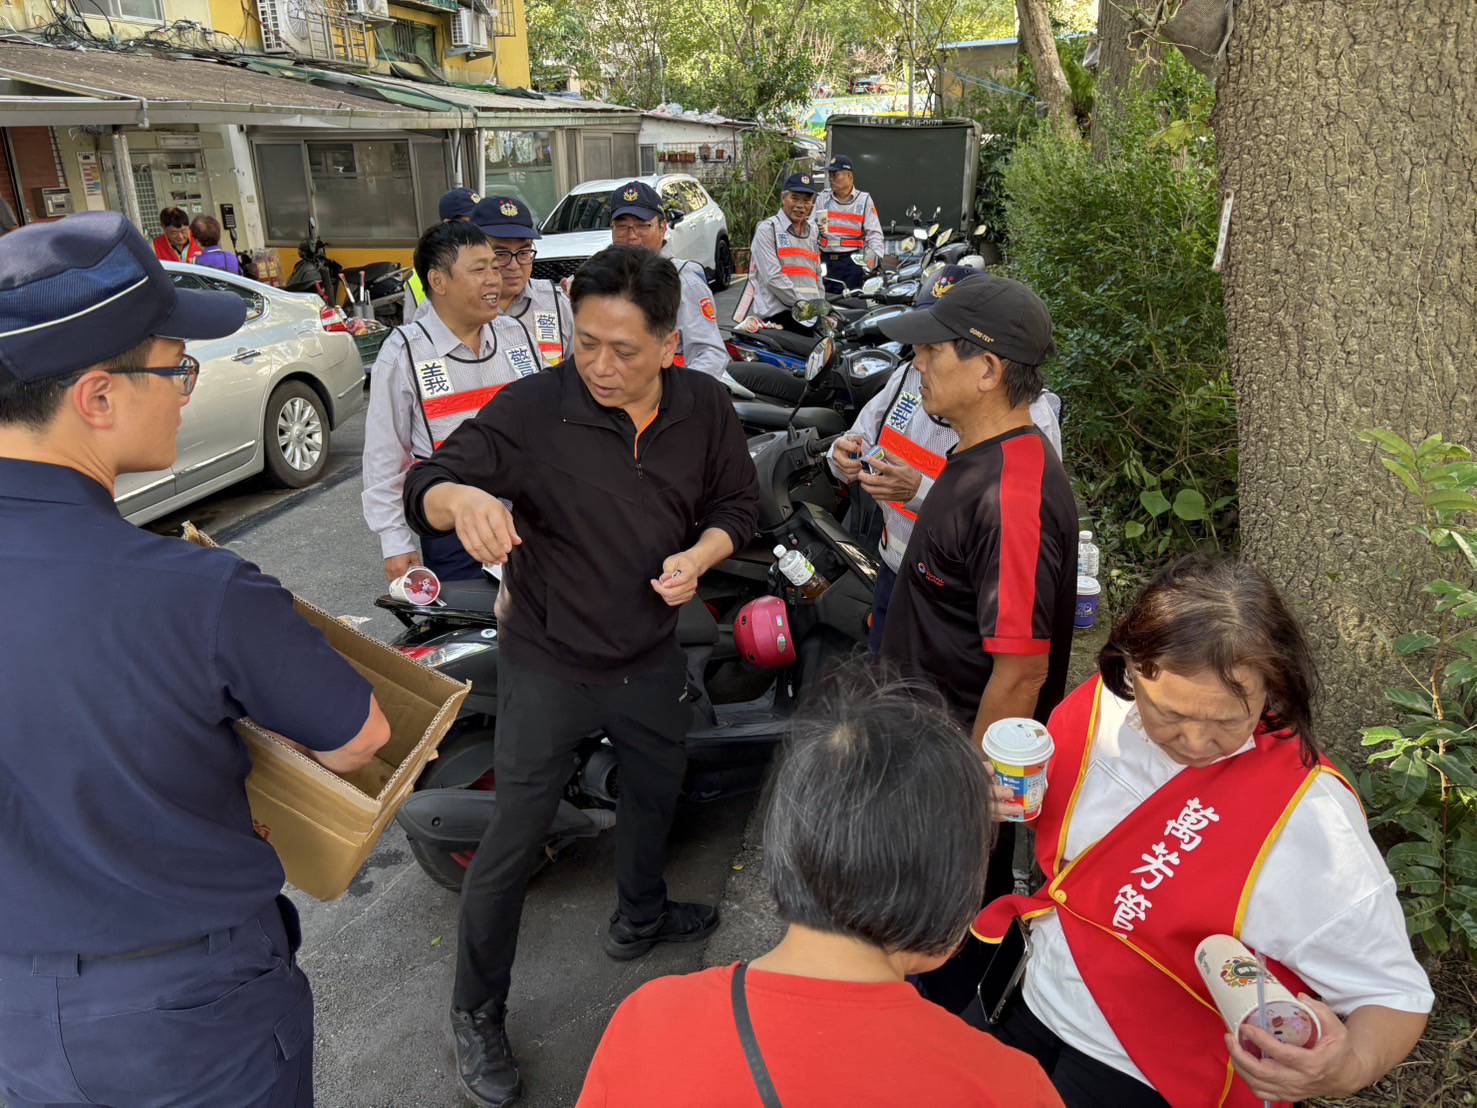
508	67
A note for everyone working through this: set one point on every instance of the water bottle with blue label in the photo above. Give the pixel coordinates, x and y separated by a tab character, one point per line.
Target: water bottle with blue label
1088	589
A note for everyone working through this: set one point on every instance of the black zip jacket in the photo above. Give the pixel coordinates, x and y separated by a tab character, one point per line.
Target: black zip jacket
599	508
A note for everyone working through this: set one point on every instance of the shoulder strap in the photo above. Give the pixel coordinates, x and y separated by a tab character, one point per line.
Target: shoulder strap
752	1054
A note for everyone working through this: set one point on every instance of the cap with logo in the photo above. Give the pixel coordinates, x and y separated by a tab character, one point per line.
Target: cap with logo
800	182
635	198
997	314
942	283
504	217
840	164
458	204
88	288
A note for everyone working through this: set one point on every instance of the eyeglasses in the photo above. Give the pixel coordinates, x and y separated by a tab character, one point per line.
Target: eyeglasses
504	258
185	374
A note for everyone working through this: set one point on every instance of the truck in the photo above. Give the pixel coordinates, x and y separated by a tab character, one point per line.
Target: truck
911	162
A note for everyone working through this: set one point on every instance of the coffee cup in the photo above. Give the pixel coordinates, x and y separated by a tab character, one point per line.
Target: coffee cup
1020	750
1230	972
418	586
1089	592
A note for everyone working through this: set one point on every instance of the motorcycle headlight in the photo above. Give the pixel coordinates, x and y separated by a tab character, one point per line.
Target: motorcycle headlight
866	365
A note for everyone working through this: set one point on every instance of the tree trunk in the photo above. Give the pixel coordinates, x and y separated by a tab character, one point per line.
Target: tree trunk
1122	48
1348	132
1040	44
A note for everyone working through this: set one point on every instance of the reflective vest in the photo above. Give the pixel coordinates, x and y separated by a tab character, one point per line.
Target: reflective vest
1133	938
542	321
453	389
845	223
416	289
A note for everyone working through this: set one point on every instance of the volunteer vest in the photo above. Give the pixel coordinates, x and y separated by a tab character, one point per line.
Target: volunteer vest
417	290
452	389
678	360
845	223
539	317
908	434
1134	905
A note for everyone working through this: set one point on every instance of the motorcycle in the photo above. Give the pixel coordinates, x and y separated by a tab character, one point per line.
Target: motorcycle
740	713
373	291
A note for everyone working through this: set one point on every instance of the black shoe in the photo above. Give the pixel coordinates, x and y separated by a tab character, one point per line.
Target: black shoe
679	923
484	1058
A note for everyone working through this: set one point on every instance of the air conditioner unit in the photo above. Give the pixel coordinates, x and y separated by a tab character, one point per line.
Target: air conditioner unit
284	27
469	32
371	11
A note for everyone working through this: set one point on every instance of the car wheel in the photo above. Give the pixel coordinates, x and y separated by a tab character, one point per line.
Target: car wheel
722	265
296	435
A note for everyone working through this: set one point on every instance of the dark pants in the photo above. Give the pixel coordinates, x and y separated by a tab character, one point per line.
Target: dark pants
1081	1080
225	1020
840	267
445	557
886	580
953	985
540	722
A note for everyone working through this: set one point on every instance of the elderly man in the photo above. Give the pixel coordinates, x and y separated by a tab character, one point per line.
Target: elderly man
637	219
786	259
848	222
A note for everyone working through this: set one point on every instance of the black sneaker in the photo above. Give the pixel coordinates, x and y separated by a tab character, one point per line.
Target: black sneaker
679	923
484	1057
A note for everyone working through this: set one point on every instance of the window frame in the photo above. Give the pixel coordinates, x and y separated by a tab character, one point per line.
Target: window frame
98	9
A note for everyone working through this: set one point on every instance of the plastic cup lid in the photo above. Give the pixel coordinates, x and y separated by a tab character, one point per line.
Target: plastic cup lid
1018	742
1088	585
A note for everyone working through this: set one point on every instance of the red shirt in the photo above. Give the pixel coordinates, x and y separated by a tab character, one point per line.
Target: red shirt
164	250
673	1044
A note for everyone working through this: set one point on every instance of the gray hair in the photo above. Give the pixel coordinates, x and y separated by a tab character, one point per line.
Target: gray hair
878	823
1023	383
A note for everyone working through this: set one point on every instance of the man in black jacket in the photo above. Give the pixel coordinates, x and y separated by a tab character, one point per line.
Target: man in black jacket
628	480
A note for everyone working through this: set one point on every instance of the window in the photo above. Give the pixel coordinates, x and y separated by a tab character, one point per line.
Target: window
152	10
284	190
521	164
256	303
694	199
582	211
363	190
404	41
648	160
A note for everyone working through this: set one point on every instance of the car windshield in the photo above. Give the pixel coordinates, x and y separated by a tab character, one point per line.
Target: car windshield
579	211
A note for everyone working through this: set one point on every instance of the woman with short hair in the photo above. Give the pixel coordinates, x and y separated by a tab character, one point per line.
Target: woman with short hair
875	843
1187	799
207	232
175	243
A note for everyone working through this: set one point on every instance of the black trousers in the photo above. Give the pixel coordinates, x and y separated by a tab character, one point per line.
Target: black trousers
840	267
448	560
1081	1080
540	722
953	985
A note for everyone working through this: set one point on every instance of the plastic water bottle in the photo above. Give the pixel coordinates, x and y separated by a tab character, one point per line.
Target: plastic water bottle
800	573
1088	555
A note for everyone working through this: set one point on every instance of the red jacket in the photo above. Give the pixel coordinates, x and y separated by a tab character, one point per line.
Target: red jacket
167	253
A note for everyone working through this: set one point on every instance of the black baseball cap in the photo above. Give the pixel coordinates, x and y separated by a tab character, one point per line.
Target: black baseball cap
87	288
840	163
800	182
457	204
997	314
504	217
635	198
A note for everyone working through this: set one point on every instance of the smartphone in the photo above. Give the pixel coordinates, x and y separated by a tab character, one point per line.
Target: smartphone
1003	974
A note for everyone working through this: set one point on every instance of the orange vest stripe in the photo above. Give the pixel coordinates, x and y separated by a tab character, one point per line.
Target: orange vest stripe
924	461
474	400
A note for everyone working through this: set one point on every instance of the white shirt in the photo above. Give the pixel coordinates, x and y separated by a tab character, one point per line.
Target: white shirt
1324	904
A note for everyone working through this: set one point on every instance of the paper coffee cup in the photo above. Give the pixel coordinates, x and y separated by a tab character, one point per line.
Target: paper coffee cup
1020	750
1089	592
1230	972
418	586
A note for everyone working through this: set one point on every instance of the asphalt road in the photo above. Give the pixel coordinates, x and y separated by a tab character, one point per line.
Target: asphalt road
381	959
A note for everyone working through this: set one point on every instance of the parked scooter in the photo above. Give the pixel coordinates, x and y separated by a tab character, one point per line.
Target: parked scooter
753	644
371	291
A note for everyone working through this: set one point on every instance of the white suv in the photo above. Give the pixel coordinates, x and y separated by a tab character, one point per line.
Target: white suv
579	227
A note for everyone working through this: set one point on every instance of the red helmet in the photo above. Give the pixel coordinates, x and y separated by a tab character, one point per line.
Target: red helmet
762	633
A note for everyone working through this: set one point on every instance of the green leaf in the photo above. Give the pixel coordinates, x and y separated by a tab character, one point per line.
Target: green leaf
1418	880
1133	529
1391	443
1189	505
1163	543
1402	471
1222	503
1419	823
1451	501
1468	924
1457	771
1412	700
1373	736
1413	854
1411	776
1435	939
1466	548
1462	861
1414	643
1154	502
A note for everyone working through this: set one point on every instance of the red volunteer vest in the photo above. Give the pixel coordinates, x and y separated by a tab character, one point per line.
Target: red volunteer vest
896	443
1179	867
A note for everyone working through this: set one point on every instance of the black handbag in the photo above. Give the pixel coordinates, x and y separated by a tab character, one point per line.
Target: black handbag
752	1054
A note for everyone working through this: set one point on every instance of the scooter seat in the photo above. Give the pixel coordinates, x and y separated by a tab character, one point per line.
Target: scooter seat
757	415
469	596
696	625
785	342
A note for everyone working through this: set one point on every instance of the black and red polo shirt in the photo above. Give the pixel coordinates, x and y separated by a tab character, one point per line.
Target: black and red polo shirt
991	569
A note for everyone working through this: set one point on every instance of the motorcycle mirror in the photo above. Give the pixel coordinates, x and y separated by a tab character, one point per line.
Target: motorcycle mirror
858	257
933	229
908	246
945	237
871	286
312	227
982	228
920	234
819	358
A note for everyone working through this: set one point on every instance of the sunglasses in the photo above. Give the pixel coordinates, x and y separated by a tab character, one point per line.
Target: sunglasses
185	374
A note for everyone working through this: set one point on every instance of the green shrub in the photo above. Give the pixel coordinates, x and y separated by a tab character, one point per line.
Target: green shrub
752	193
1121	249
1420	784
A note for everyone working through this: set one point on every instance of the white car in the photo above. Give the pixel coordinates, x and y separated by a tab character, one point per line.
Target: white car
268	398
579	227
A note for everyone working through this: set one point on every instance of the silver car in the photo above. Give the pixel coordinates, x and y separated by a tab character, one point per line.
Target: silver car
268	398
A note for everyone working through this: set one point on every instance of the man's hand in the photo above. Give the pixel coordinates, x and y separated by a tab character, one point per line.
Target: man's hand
1330	1068
479	519
678	582
891	480
398	566
844	452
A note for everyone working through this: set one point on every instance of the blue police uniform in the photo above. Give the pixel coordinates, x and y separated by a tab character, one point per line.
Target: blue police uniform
146	954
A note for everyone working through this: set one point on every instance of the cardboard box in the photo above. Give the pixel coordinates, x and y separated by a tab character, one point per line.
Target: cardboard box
322	825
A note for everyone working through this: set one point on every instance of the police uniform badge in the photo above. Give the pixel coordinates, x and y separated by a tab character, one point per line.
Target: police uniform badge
710	313
546	326
431	379
522	361
630	194
508	208
943	285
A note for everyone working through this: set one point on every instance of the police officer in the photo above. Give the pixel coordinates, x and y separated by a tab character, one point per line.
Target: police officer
637	219
146	954
848	222
532	310
785	254
456	207
430	376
